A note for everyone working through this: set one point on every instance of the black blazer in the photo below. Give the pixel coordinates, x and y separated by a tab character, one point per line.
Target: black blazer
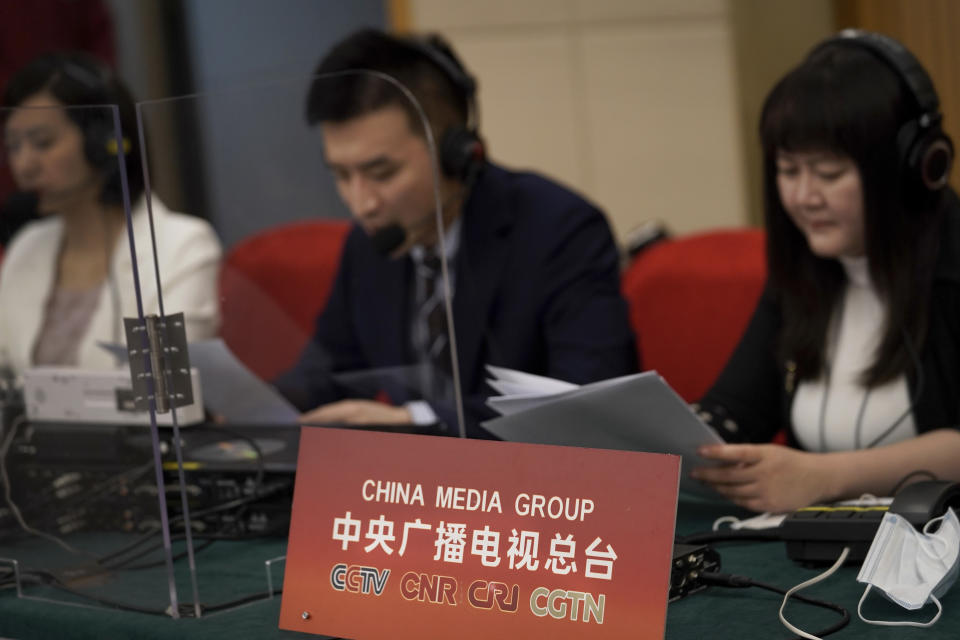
752	391
537	289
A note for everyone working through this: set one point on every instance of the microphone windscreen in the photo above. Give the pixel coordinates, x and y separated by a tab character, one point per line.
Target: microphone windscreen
19	208
22	204
387	239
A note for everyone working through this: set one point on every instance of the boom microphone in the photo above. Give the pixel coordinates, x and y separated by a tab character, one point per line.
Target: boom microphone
20	208
387	239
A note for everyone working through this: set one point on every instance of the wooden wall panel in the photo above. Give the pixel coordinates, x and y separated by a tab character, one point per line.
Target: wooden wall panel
929	29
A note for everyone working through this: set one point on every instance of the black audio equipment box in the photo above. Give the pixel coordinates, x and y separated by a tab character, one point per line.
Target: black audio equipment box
70	477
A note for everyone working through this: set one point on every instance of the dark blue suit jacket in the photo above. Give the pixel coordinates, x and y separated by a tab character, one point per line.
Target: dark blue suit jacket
537	289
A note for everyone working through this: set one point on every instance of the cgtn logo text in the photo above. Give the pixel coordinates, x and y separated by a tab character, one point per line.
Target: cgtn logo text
358	579
558	602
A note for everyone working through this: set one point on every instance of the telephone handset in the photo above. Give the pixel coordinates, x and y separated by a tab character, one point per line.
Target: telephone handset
817	534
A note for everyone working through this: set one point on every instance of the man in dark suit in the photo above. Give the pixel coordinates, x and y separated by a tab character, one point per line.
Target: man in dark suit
534	269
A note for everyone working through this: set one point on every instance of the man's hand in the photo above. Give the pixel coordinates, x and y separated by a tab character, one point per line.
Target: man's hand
357	412
767	477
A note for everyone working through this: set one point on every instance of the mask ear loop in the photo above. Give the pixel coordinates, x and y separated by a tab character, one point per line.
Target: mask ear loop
897	623
934	540
932	520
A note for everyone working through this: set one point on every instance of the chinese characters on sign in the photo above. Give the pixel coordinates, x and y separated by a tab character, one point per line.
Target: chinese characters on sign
451	542
444	537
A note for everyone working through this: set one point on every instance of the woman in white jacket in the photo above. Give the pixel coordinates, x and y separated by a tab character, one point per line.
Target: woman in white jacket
67	279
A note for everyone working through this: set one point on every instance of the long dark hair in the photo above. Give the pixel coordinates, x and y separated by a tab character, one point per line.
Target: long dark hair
843	99
78	79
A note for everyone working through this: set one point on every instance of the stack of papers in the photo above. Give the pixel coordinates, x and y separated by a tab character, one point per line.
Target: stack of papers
638	412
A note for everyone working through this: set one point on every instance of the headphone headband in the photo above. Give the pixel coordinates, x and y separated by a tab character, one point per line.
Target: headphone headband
461	150
900	60
436	50
93	79
925	151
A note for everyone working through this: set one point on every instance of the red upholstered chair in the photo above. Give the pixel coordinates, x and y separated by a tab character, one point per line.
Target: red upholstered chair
690	299
272	286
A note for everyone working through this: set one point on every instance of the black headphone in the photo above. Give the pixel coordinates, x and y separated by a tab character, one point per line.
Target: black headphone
461	150
925	150
99	135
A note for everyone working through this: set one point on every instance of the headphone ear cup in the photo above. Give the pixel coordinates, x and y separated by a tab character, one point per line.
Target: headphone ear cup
461	153
935	161
926	156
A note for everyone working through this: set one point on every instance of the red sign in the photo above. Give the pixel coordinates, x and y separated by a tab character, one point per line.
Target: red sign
402	536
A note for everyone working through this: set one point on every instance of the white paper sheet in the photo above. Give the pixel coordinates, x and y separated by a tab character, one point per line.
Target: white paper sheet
233	392
639	412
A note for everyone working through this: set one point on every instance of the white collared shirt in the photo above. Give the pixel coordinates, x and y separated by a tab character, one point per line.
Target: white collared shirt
420	411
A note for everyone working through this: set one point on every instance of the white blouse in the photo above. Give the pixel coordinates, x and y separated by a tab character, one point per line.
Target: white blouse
188	253
835	412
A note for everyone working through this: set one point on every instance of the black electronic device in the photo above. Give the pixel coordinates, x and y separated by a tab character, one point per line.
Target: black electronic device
70	478
690	561
818	534
920	502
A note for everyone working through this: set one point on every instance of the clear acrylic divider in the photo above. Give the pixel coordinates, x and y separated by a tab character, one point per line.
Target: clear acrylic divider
82	514
301	268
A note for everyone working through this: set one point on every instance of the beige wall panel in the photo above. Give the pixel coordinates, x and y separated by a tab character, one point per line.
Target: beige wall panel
770	37
527	100
664	135
458	14
588	11
631	102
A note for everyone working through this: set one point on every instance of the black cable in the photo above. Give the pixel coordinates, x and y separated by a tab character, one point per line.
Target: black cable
113	285
238	502
257	494
50	580
122	566
209	539
913	400
109	562
253	597
198	536
742	582
241	502
730	535
186	609
6	578
133	545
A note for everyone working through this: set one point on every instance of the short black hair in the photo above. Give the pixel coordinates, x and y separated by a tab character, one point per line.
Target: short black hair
338	96
79	79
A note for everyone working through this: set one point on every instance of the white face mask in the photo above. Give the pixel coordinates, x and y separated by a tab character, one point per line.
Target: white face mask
912	568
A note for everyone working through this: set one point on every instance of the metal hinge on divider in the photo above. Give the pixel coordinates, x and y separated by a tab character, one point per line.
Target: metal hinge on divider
159	362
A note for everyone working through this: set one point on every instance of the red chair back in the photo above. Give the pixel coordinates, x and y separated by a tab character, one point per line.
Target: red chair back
272	287
690	299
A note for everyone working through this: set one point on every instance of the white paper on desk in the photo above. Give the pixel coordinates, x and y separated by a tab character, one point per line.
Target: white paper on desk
639	412
523	391
234	392
230	390
522	382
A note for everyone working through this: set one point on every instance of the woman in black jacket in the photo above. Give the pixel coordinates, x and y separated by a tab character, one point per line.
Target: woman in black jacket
854	348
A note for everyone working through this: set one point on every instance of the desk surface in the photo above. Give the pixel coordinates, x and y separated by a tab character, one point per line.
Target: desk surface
714	613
